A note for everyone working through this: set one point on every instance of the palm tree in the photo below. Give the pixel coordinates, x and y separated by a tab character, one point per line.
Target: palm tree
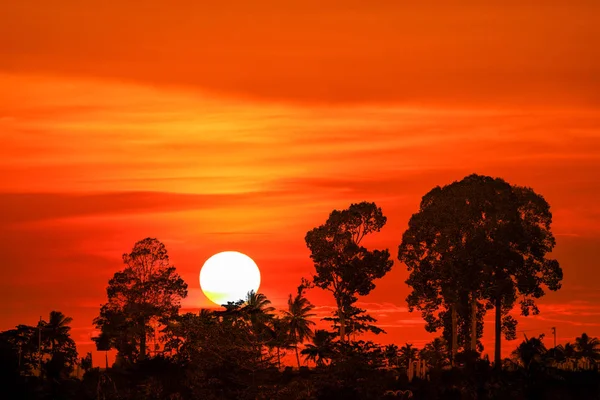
298	322
561	353
588	347
56	330
278	337
258	310
407	353
321	348
530	350
390	353
569	351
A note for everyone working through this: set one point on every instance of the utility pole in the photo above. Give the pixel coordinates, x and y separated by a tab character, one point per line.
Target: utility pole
40	345
554	333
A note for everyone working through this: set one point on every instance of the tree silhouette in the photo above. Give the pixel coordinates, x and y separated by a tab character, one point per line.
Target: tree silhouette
23	343
59	353
435	353
296	317
57	327
86	362
258	309
390	353
321	349
279	338
479	239
103	343
588	347
342	265
406	354
147	288
530	351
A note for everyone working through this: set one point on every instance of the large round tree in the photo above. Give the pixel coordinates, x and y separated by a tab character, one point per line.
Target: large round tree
476	244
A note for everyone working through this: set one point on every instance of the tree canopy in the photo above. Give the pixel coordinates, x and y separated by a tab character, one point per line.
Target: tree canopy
479	240
147	289
343	266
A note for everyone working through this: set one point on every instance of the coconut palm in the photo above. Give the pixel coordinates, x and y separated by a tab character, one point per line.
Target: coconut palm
257	308
561	353
298	322
530	351
569	351
57	329
321	348
390	352
406	354
588	347
278	337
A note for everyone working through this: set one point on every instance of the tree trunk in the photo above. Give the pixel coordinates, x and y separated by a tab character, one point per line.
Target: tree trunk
142	355
297	356
473	323
106	358
278	358
497	355
454	334
342	325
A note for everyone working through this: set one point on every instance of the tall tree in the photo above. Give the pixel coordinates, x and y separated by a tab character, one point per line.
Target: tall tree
59	352
57	328
279	338
479	239
297	318
343	266
147	288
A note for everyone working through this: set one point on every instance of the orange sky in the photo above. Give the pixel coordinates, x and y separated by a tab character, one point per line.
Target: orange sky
242	126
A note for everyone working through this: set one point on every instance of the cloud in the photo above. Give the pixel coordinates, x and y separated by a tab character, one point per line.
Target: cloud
327	52
27	207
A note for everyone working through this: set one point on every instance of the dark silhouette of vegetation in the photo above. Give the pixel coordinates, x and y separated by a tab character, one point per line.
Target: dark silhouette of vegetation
475	245
343	266
297	320
147	289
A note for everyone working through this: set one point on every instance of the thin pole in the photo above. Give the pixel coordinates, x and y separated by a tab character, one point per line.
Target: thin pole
40	344
554	333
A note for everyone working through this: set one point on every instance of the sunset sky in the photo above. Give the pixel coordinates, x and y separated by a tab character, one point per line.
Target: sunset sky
240	125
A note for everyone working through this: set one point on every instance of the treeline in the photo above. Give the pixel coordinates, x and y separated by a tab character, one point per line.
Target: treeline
236	353
476	245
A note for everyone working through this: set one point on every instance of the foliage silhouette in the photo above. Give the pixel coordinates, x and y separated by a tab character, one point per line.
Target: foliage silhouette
342	265
297	318
147	289
479	239
321	350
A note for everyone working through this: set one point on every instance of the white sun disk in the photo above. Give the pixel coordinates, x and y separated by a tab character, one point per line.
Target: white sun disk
229	276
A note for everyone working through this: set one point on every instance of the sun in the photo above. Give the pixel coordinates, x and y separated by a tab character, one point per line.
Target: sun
229	276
